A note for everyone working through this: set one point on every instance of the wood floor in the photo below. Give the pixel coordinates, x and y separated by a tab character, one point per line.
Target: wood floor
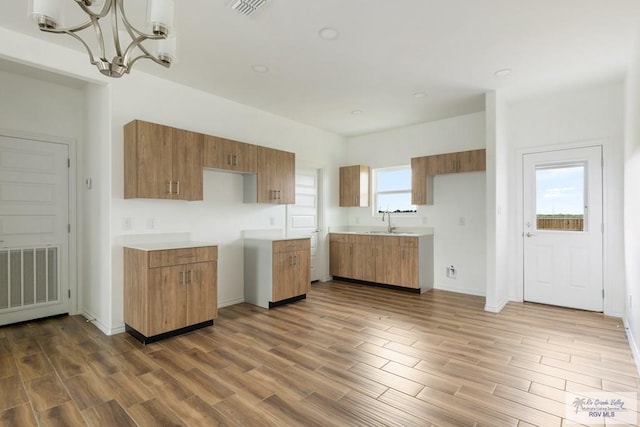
349	355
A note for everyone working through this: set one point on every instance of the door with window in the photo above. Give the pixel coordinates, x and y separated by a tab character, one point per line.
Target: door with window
563	228
34	239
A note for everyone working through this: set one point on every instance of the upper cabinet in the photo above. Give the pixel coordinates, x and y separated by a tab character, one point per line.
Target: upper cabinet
162	162
354	186
221	153
275	180
424	168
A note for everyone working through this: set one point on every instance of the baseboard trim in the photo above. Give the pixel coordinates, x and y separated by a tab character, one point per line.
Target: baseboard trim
496	308
634	346
227	303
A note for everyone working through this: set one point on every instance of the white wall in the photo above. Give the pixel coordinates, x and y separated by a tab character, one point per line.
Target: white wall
455	195
220	218
581	117
632	207
95	257
497	201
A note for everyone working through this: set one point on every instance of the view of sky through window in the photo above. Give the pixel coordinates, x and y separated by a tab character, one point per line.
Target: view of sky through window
560	190
393	190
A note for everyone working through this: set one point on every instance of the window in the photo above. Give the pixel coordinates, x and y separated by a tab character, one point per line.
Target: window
392	190
560	197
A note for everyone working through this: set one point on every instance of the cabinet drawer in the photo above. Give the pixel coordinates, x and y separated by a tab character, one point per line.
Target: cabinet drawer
182	256
291	245
341	238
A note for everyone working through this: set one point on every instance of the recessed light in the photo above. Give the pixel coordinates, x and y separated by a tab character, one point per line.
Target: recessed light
356	112
419	95
260	68
328	33
503	72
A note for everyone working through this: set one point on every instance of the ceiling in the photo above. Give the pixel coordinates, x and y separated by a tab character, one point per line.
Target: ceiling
386	53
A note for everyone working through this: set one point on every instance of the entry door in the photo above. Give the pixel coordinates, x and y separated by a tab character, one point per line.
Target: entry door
303	215
563	228
34	239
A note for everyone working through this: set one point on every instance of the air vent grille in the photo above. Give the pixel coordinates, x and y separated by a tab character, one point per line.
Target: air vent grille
246	7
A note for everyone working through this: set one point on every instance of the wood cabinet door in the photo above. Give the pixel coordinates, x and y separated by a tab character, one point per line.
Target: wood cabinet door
340	259
354	186
348	193
267	165
364	262
301	272
282	276
153	160
286	178
221	153
419	166
442	164
187	164
167	299
408	267
202	292
471	161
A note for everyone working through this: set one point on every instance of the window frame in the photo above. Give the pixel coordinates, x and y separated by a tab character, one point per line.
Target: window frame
375	192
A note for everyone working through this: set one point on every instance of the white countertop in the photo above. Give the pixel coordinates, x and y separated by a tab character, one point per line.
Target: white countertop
276	239
161	246
366	231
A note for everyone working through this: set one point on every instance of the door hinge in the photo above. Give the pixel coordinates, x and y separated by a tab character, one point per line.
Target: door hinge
68	162
69	228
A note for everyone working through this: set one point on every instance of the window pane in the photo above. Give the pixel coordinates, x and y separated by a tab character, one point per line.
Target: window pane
395	202
394	180
560	198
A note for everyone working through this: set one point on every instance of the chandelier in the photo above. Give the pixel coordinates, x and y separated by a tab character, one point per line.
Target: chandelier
114	57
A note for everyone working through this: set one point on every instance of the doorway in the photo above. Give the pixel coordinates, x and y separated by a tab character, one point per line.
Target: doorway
34	229
563	228
303	218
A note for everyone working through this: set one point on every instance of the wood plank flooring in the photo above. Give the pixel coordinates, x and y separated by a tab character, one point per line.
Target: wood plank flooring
347	355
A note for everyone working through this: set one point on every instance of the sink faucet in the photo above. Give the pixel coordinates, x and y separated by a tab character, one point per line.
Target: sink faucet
390	228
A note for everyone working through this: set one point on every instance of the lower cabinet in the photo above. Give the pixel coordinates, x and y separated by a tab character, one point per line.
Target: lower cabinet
403	261
276	271
170	291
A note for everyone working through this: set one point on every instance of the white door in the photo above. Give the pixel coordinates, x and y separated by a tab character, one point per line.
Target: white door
34	239
303	216
563	228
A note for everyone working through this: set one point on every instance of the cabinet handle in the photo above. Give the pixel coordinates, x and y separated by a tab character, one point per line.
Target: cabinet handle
177	187
170	187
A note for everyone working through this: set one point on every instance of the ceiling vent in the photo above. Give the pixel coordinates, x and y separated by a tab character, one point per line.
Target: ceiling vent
246	7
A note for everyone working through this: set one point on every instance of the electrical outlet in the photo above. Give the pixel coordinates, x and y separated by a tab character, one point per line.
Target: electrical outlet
451	272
